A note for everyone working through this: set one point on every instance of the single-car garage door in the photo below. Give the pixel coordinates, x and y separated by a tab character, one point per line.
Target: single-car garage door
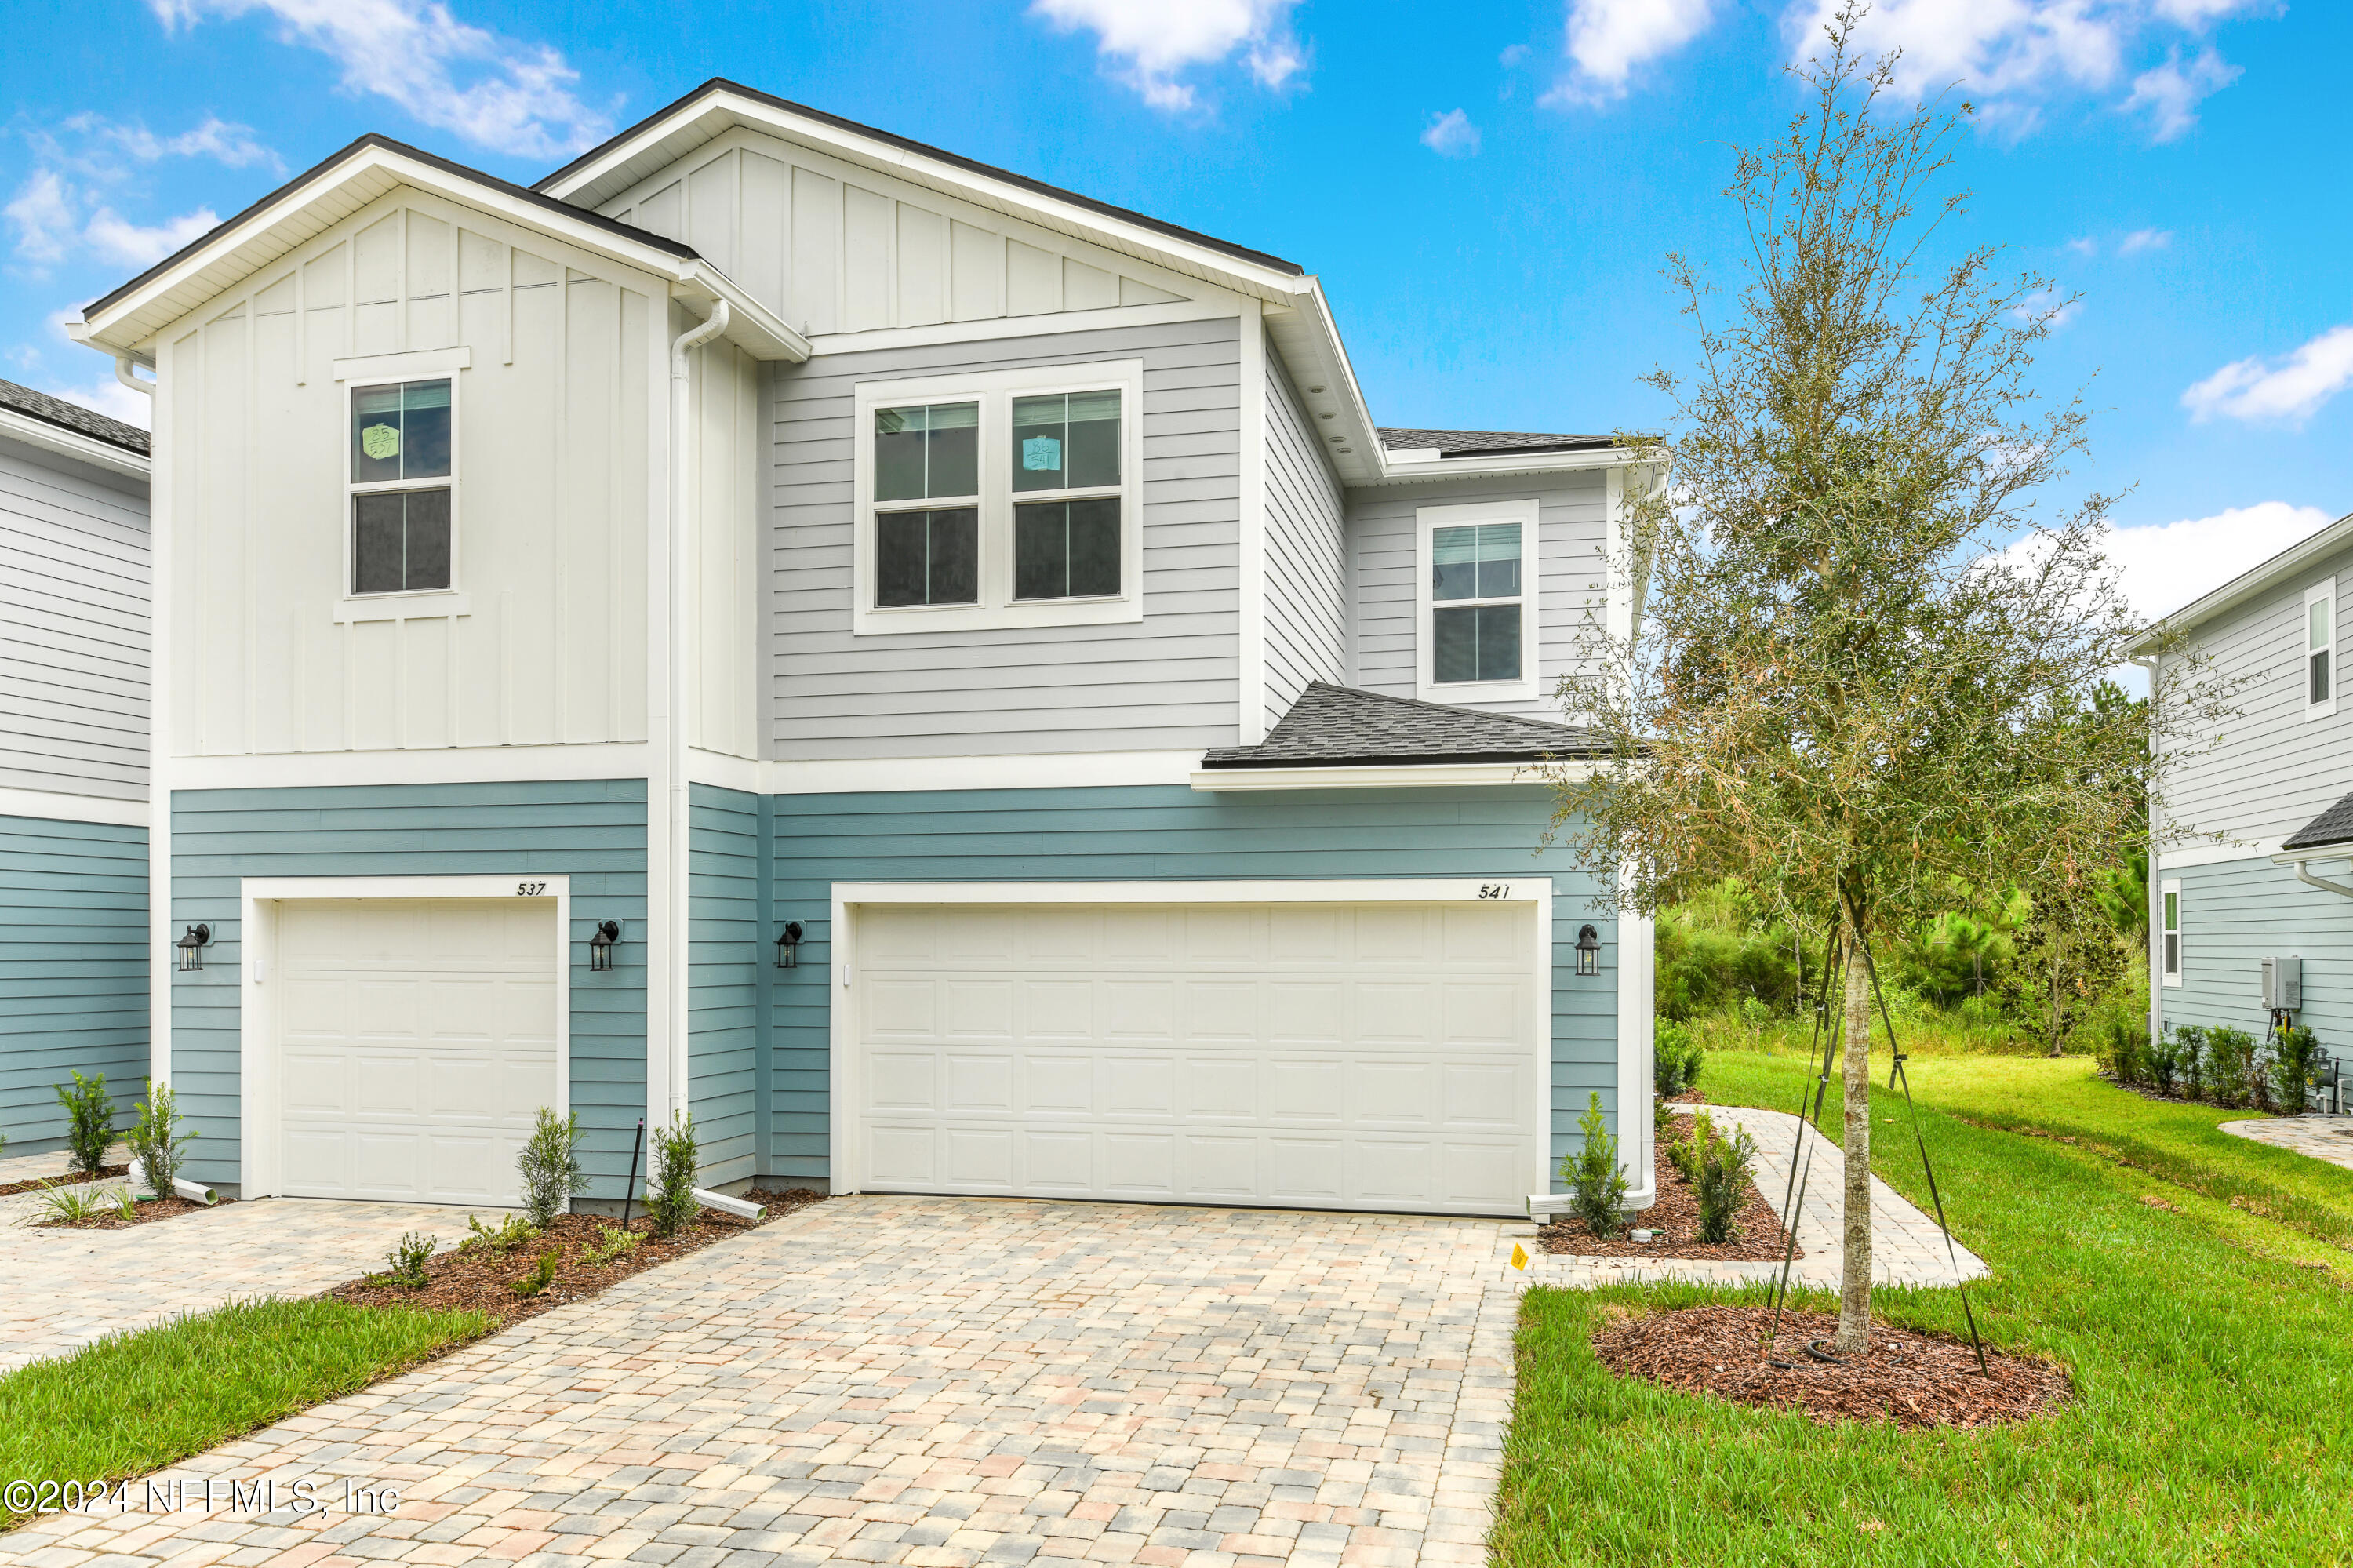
1298	1055
415	1039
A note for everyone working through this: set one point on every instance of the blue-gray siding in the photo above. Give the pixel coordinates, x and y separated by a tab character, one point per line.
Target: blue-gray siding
1171	834
592	831
73	982
2235	914
724	978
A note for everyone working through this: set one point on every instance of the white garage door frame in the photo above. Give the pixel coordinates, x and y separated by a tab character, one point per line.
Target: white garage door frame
260	899
845	1144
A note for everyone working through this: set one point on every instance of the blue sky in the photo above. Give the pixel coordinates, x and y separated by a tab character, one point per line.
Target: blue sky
1486	190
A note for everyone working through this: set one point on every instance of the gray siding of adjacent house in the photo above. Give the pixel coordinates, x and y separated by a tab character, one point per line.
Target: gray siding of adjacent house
73	626
1307	553
2237	913
73	970
1165	682
1571	524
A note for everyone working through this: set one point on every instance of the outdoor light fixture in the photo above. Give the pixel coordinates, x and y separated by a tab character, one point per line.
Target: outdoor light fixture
788	947
1589	951
601	944
191	947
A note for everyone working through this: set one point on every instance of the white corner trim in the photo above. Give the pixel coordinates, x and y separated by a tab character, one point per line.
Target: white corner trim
1637	955
1427	519
57	439
436	765
2217	854
403	367
722	771
1251	672
1048	770
1387	776
55	806
436	605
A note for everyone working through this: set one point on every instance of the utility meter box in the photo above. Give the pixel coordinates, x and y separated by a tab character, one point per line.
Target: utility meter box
2283	984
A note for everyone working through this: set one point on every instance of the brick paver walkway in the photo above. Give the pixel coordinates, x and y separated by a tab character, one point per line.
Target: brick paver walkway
2328	1137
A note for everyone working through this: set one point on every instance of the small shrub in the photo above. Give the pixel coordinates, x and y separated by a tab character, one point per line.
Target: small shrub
404	1263
2231	1071
542	1274
1725	1167
550	1163
2295	1058
89	1122
2121	1048
2189	1062
1662	1123
611	1243
2164	1061
1672	1044
510	1233
1597	1187
670	1197
1695	1058
1683	1152
158	1146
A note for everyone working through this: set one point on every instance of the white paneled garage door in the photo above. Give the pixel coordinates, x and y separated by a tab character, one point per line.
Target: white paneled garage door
1300	1054
415	1039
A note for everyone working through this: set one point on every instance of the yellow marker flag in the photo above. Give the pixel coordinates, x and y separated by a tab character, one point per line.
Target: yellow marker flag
1519	1255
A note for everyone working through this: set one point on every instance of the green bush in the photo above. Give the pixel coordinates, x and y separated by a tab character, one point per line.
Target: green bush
158	1146
1715	949
541	1276
2189	1060
671	1204
1723	1169
1676	1058
549	1161
404	1263
513	1231
1663	1122
1597	1187
2230	1070
89	1122
2122	1049
2295	1057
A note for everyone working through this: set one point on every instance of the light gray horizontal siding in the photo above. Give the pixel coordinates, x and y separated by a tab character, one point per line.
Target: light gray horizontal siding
2234	915
73	970
73	626
1306	567
1571	523
1167	681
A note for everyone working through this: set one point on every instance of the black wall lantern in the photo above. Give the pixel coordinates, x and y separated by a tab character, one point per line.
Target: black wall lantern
601	943
788	947
191	947
1589	951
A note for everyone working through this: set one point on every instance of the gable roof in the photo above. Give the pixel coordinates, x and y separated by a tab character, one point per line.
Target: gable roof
2333	826
1332	726
2299	557
1486	444
72	416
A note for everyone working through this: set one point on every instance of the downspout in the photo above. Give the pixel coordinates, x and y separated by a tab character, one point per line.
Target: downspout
2309	880
682	501
2153	901
122	372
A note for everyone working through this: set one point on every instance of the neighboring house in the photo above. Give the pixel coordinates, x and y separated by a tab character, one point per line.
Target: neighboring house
2270	874
73	758
769	524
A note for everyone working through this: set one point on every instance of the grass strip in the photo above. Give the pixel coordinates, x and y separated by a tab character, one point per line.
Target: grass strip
133	1403
2210	1361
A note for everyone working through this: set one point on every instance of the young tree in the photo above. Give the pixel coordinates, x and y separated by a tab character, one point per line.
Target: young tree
1861	676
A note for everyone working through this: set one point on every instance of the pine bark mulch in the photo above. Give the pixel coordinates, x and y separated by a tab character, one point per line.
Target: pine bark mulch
1756	1235
142	1214
1912	1379
481	1280
65	1179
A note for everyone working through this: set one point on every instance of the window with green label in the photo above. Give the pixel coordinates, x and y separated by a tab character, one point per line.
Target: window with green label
401	444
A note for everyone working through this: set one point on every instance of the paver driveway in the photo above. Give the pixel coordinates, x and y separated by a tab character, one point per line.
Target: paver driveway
934	1382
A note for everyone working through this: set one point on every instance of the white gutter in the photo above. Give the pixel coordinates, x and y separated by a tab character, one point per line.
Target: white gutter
2300	861
681	501
122	372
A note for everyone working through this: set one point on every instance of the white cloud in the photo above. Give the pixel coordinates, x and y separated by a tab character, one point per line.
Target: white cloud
1512	56
1609	40
2048	306
2084	246
217	139
499	93
2171	92
2291	388
42	214
1156	39
2141	239
1452	136
2164	565
119	240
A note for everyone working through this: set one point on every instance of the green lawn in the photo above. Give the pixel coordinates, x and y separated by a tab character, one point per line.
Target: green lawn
135	1403
2214	1373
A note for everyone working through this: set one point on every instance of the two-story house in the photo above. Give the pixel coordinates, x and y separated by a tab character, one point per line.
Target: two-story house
2264	817
940	677
73	758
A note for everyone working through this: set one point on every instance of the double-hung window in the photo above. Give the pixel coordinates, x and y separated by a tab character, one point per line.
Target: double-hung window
999	499
1477	632
401	449
2169	960
2320	649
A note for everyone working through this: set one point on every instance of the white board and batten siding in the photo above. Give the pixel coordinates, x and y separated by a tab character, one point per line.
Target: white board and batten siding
74	617
723	550
555	428
1307	619
1165	683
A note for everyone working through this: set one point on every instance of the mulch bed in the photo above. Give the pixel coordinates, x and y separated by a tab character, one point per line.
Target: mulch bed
479	1280
1911	1379
143	1214
40	1183
1757	1235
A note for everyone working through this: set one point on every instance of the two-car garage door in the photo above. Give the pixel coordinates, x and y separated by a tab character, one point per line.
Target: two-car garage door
1379	1055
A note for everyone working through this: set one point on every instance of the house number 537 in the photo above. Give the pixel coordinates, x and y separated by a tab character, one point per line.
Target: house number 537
530	889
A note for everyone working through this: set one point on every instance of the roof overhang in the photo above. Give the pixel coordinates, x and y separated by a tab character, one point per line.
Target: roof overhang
50	438
126	321
1389	776
2258	579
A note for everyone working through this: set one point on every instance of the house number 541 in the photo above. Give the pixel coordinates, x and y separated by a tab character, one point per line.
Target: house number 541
1494	890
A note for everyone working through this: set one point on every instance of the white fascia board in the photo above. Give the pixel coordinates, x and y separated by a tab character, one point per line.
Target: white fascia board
750	325
49	437
1042	770
2217	854
55	806
1412	467
1397	776
439	765
2287	564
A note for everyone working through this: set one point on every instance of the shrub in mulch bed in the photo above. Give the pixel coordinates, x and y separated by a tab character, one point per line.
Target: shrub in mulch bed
1758	1236
1912	1379
75	1179
483	1281
146	1211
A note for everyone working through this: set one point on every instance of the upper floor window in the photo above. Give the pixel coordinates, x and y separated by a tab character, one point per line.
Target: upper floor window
998	499
1477	634
2320	648
401	448
2170	964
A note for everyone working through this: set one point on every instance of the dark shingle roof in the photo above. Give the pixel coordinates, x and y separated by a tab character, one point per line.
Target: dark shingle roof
2333	826
73	417
1329	726
1472	443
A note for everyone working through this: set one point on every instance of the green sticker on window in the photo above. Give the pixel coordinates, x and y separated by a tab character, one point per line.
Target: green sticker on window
381	442
1041	454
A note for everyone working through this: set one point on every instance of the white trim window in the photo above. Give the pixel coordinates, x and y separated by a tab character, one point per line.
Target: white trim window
1476	625
401	457
2170	937
1003	498
2320	649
